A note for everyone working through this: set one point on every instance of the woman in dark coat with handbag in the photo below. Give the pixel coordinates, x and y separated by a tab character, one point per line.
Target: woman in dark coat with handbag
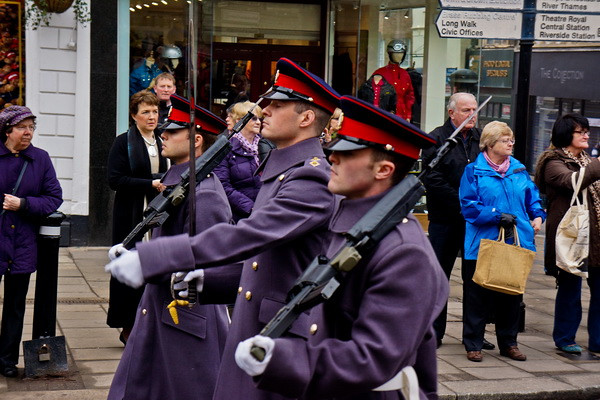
135	166
567	155
30	190
236	171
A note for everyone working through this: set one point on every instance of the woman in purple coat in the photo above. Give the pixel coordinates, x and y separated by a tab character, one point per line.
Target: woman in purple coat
237	170
30	190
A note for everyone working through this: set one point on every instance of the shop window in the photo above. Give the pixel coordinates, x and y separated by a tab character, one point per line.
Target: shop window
159	43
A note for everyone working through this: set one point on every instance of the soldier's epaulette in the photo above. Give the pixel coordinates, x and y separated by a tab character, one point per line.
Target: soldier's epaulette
315	161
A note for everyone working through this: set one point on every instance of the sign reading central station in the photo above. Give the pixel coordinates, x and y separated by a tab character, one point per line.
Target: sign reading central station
479	24
575	27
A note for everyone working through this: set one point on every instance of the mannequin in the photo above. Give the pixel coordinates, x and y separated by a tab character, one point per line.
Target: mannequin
398	78
379	92
141	77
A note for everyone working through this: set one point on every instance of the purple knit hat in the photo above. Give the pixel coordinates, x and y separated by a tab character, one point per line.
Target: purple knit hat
11	116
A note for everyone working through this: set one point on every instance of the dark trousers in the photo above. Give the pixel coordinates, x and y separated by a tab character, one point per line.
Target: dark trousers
478	302
13	314
567	309
447	241
122	304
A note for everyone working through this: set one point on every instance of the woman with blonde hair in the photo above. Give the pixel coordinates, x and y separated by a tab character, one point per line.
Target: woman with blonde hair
236	171
495	191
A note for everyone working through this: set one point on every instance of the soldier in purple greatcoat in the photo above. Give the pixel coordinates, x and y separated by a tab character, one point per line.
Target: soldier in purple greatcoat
285	231
380	320
164	359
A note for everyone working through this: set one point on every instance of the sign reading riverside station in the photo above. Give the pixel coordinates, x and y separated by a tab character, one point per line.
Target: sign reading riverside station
479	24
567	27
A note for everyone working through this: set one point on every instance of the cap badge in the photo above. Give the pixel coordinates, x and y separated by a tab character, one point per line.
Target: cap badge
340	120
276	77
315	162
170	109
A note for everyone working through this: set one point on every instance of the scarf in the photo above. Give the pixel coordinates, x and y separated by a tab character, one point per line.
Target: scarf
251	148
499	168
594	188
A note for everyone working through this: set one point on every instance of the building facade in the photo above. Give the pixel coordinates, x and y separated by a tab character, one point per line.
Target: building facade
79	79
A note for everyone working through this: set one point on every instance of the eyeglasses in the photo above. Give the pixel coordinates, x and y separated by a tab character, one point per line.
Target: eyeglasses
25	127
255	118
507	141
583	133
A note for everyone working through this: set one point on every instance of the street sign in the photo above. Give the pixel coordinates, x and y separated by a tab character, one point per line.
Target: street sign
479	24
487	4
568	6
567	27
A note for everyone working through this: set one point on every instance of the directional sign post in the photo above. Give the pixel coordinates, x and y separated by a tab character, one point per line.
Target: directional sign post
479	24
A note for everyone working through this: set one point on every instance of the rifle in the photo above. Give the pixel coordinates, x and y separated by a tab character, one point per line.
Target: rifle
323	276
159	208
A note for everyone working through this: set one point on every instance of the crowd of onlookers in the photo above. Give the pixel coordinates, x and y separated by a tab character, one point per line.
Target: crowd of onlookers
479	187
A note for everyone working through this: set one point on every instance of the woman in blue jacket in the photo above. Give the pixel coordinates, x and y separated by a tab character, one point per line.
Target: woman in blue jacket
495	190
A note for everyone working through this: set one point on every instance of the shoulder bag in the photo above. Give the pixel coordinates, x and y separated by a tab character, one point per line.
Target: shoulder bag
573	233
503	267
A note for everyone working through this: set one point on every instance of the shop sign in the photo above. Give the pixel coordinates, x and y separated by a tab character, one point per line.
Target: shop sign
479	24
497	68
570	75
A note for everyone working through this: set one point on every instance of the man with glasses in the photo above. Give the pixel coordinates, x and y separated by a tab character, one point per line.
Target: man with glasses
446	223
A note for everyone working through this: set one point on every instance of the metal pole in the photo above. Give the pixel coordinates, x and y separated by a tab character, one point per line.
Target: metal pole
522	99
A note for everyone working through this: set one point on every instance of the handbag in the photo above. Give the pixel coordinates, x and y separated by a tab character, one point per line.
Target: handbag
573	233
503	267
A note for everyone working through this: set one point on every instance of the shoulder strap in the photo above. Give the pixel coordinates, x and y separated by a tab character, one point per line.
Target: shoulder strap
576	182
20	177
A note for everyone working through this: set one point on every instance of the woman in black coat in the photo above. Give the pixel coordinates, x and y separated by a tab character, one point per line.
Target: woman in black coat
134	169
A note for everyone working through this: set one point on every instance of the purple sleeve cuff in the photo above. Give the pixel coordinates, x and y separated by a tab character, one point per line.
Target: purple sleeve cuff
165	255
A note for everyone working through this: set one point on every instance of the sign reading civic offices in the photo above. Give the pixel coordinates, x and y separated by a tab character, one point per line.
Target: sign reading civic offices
479	24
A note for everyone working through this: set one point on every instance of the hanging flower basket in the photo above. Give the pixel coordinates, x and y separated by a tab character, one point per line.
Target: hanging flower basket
37	12
54	6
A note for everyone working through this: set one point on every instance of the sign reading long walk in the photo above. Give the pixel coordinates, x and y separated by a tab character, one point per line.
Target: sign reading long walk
479	24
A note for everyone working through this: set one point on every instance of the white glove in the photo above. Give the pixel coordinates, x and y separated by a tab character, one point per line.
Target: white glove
116	251
247	362
127	269
182	285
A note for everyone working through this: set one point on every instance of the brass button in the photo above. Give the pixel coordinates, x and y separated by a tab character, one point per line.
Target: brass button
255	265
144	311
17	155
405	220
240	289
12	226
313	329
281	177
248	295
10	261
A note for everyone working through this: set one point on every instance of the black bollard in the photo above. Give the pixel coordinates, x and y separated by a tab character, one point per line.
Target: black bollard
46	286
46	354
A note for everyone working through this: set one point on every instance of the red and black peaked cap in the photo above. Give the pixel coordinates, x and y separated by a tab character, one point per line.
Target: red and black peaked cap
363	125
292	82
179	117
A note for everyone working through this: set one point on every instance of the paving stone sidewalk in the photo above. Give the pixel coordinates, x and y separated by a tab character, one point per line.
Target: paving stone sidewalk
94	349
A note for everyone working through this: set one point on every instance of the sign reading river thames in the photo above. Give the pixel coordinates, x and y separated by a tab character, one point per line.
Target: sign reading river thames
479	24
567	27
568	5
